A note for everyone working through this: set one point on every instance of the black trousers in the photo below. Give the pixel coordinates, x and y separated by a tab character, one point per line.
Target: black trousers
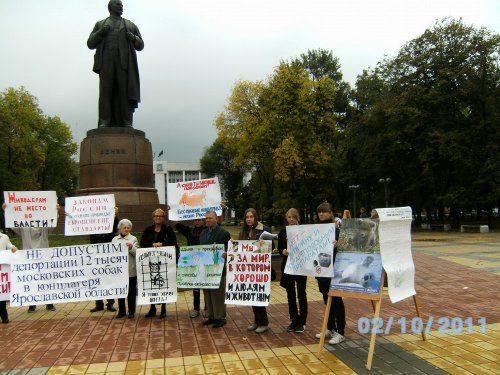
336	318
260	315
3	311
131	298
196	299
292	295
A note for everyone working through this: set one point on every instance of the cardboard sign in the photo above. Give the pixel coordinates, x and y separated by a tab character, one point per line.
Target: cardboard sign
92	214
200	266
30	209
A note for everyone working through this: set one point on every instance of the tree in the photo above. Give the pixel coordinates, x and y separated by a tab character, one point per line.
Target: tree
38	150
435	110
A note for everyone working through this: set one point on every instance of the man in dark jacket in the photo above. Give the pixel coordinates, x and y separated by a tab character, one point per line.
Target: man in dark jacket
192	235
214	298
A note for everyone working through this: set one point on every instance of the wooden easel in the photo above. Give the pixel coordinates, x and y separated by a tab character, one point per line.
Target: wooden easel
376	300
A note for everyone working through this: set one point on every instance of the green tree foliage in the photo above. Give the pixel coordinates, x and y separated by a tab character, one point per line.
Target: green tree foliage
218	160
285	131
37	151
428	118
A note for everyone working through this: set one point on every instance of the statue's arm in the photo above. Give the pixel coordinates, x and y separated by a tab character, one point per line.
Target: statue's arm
134	36
97	34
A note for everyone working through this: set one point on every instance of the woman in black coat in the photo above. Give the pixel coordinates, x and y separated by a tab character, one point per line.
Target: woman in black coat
159	235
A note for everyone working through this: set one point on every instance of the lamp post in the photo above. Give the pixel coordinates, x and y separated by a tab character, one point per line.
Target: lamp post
385	181
354	188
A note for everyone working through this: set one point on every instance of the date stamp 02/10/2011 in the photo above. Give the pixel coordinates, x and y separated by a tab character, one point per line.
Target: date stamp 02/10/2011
402	325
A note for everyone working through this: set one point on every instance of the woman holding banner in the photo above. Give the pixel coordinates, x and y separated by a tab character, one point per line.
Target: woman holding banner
5	244
252	229
298	320
124	236
336	319
159	235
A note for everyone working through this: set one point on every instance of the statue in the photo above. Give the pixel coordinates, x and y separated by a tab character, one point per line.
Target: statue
116	39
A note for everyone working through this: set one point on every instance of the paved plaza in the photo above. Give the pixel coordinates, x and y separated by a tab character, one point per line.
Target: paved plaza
457	283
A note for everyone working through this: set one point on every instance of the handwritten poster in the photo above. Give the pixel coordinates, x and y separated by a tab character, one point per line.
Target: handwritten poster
200	266
395	248
91	214
311	249
248	280
156	275
358	266
5	259
30	209
69	274
192	199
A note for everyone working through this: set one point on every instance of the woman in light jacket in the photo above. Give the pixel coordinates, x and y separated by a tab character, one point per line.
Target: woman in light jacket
124	236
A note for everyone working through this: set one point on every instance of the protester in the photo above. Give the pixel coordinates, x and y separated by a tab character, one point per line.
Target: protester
289	282
124	236
336	319
214	298
34	238
192	235
251	230
5	244
105	238
158	235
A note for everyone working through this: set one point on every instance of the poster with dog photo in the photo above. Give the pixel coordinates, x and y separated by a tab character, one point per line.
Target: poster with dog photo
358	265
192	199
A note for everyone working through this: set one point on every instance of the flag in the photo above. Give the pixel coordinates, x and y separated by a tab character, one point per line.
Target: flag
161	153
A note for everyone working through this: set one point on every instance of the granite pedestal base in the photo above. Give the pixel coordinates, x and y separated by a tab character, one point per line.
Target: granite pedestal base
119	161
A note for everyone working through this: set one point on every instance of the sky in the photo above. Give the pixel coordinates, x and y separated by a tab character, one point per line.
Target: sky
196	50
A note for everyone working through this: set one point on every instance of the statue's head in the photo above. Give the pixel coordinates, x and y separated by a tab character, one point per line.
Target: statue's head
115	7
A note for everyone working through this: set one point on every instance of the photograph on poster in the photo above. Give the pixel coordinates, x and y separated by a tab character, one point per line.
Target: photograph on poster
359	235
359	272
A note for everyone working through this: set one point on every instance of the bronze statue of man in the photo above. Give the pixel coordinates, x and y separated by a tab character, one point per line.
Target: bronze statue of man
116	39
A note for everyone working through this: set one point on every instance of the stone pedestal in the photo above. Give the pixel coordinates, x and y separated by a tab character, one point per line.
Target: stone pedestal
119	161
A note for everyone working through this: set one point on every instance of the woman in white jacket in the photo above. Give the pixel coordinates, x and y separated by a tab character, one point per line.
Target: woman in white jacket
5	244
124	236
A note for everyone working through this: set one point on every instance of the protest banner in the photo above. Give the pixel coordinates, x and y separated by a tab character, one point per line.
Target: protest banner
200	266
30	209
92	214
358	267
311	250
192	199
248	280
4	281
395	248
69	274
156	275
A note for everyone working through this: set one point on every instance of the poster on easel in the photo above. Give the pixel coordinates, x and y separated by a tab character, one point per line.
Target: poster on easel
358	264
395	249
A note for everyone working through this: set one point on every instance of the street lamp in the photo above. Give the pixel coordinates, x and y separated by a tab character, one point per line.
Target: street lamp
354	188
385	181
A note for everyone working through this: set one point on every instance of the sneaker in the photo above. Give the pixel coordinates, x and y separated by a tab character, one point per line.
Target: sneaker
328	334
300	328
51	308
252	327
291	327
195	314
261	329
337	338
31	309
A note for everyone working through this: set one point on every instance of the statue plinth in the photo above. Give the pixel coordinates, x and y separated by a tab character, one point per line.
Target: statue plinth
119	161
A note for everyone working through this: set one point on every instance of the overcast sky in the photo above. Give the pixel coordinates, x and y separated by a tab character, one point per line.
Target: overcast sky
195	50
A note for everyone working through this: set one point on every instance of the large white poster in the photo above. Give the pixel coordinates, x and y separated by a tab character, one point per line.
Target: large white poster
192	199
395	249
248	280
156	275
30	209
311	249
92	214
69	274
